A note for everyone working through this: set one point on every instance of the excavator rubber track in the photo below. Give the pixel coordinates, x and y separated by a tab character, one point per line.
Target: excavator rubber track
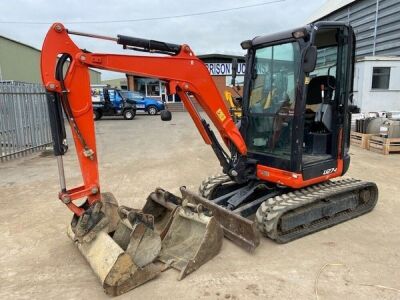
292	215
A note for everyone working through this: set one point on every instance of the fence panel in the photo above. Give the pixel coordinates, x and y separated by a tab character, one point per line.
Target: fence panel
24	121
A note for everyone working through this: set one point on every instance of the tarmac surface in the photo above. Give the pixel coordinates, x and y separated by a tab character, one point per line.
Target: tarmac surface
359	259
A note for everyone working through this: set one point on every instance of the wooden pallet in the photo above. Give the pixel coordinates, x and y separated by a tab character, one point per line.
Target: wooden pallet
384	145
360	139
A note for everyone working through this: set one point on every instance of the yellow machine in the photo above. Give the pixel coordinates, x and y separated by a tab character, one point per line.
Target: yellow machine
234	107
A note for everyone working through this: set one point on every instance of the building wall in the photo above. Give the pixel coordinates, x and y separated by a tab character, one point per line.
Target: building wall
18	62
374	99
116	83
95	77
376	24
21	62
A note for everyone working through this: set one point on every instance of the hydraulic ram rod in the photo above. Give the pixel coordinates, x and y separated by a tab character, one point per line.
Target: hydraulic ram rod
142	44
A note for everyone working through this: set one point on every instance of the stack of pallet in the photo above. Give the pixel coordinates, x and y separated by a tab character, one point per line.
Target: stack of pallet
377	132
360	139
384	145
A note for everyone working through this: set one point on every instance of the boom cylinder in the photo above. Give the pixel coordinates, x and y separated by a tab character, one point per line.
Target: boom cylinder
148	45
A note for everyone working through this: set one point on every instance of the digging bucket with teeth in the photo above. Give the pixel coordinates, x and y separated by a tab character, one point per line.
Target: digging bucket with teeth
122	248
126	247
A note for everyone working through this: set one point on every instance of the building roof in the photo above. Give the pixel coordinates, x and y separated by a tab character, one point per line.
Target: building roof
378	58
218	55
18	42
33	48
329	7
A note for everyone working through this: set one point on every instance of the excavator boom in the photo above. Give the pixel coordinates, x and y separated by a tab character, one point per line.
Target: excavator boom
185	74
121	244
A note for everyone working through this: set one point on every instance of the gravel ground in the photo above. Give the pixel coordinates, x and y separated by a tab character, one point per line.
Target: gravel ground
355	260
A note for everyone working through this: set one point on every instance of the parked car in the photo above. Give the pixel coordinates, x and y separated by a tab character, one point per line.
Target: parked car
151	106
110	102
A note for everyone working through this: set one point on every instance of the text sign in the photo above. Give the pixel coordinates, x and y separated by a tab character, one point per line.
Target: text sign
220	69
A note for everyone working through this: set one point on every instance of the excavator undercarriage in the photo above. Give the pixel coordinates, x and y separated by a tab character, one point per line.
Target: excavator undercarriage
283	214
279	213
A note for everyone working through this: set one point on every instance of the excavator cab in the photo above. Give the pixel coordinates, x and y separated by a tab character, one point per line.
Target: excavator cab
296	125
296	96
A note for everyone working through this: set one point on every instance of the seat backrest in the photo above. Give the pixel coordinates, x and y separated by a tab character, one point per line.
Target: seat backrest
314	88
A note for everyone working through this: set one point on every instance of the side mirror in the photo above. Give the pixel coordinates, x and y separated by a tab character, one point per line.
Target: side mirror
234	71
310	59
165	115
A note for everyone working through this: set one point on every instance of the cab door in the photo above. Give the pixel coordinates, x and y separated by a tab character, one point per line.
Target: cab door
326	93
270	109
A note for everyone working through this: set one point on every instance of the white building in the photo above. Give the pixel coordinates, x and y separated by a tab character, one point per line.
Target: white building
377	83
376	24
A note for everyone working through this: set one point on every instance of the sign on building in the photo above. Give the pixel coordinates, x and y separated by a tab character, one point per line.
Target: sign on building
222	69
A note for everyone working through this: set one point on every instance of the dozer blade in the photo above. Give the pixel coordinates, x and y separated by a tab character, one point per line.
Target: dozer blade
121	253
190	238
240	230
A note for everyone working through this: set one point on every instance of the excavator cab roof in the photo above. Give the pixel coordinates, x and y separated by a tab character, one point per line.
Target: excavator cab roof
295	33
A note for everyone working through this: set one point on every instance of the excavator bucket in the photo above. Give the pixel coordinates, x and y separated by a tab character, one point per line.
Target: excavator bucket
124	247
190	238
161	205
122	253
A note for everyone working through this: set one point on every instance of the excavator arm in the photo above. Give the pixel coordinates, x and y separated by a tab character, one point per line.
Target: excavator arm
69	88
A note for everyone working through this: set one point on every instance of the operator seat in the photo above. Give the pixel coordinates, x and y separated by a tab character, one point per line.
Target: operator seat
318	115
319	110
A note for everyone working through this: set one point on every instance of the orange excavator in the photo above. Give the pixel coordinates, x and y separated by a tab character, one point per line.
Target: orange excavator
278	161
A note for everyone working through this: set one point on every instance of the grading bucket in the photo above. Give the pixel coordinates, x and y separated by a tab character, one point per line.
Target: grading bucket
190	237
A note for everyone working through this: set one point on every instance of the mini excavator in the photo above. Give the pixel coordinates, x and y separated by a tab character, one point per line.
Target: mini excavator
278	161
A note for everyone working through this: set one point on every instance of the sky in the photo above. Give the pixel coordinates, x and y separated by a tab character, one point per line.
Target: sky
219	32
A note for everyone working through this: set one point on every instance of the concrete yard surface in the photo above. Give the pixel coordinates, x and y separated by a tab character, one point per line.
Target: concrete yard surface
359	259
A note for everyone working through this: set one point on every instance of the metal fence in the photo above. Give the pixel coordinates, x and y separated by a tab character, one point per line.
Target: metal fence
24	121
